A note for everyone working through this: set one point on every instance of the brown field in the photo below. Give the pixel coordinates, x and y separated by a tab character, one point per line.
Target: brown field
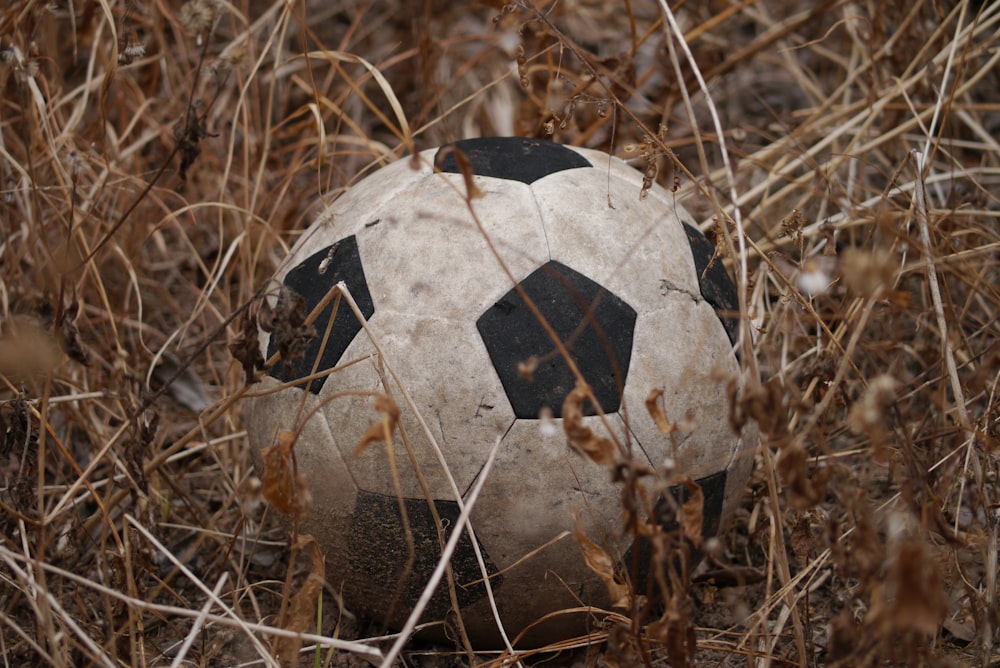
157	160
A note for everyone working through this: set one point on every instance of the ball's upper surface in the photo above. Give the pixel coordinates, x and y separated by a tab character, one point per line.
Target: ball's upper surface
461	298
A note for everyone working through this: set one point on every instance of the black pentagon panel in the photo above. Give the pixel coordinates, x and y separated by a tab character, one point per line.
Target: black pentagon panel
713	489
717	287
595	325
378	542
312	279
511	158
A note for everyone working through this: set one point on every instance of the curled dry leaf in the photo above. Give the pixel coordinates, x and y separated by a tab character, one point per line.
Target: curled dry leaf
581	437
69	335
805	489
657	413
64	327
189	131
763	402
301	613
737	411
286	323
624	649
675	631
601	563
383	429
284	487
692	512
920	603
245	348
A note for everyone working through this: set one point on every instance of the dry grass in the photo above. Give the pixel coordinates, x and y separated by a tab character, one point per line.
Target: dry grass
157	158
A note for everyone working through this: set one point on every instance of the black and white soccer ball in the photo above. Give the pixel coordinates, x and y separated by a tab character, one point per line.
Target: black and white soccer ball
625	282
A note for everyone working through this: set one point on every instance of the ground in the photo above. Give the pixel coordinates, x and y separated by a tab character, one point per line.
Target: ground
158	159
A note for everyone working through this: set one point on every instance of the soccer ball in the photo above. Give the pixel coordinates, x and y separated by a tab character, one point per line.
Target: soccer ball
468	264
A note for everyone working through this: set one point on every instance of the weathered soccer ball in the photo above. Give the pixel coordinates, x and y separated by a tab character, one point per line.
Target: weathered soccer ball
451	288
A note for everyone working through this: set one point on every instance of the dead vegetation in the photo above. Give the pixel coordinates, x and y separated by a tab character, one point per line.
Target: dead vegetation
157	158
